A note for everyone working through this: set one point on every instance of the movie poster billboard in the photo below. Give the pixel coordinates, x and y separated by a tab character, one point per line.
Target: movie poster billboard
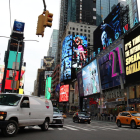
111	67
108	31
64	93
80	83
48	61
90	79
79	55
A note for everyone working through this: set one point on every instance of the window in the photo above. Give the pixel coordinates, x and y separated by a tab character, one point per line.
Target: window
68	32
77	29
70	28
85	35
25	102
81	30
88	31
88	35
85	26
73	33
85	30
88	44
88	27
88	40
81	26
81	34
73	28
77	34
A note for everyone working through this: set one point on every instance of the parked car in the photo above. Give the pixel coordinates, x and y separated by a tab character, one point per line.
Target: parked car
57	118
131	118
81	117
64	115
18	111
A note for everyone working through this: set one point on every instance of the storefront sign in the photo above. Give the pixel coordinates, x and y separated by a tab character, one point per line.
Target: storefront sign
134	100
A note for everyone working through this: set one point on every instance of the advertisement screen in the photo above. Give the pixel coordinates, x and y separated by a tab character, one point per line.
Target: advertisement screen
111	68
108	31
18	26
64	93
79	55
90	79
80	83
48	61
66	58
48	88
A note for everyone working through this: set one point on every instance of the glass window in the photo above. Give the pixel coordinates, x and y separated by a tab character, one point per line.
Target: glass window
85	30
73	28
81	34
68	32
81	29
85	35
131	92
88	31
88	35
77	29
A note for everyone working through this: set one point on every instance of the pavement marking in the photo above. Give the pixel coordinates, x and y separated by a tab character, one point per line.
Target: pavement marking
70	128
80	128
62	129
51	128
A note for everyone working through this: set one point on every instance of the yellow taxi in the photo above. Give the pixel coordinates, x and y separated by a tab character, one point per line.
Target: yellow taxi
131	118
64	115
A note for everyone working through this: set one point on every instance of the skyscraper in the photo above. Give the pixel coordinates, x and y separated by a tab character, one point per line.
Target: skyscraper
104	7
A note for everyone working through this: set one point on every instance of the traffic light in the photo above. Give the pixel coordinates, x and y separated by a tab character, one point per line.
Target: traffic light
40	27
48	19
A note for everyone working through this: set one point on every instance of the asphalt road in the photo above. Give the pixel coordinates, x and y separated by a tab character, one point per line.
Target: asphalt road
97	130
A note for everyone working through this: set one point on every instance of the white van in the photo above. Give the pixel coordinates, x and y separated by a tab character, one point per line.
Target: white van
18	111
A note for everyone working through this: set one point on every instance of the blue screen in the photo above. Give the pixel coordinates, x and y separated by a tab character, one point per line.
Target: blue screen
18	26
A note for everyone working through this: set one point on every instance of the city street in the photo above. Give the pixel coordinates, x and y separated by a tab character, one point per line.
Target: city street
97	130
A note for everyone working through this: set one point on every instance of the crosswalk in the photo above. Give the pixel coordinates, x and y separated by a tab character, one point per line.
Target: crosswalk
87	128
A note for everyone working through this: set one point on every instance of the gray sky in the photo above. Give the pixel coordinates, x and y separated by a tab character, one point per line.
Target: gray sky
28	11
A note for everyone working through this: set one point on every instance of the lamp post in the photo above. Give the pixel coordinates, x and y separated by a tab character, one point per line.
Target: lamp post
16	57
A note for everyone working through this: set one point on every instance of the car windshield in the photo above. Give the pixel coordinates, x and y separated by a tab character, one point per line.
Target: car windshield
82	114
135	114
9	99
56	110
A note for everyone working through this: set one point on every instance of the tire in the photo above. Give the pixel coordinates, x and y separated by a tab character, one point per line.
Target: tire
133	125
11	128
118	123
45	125
88	122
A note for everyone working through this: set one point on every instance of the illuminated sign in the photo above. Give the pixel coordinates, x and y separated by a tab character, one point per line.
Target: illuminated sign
48	61
111	67
64	93
48	88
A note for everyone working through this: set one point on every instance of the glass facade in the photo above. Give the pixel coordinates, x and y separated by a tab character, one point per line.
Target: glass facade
103	8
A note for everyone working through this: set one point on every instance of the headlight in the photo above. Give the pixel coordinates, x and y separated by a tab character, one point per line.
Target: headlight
88	118
1	117
138	118
80	118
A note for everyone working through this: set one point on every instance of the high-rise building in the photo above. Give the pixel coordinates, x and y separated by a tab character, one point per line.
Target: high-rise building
53	45
80	11
104	7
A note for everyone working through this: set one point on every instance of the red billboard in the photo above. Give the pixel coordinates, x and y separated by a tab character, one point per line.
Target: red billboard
64	93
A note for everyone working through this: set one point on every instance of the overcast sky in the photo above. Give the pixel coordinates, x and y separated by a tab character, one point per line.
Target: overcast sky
28	11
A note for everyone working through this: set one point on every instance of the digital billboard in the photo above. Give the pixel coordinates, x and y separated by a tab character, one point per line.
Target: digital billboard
64	93
132	56
48	88
79	54
80	83
108	31
111	67
66	58
48	61
90	79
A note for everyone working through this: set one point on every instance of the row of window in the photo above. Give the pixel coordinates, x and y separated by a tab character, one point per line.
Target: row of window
80	29
73	33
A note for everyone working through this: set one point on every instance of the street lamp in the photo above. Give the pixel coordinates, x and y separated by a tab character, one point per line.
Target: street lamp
16	57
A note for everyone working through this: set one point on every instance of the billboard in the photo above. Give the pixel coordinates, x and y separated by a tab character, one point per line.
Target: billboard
76	93
48	88
48	61
111	67
18	26
80	83
132	56
79	54
90	79
108	31
64	93
47	74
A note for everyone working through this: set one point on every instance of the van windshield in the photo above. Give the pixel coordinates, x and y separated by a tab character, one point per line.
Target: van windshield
9	99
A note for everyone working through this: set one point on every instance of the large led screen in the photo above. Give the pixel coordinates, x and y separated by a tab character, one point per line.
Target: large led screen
111	68
108	31
66	58
80	83
64	93
79	55
48	88
90	79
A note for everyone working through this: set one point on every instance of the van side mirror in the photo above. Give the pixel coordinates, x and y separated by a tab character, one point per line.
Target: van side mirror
25	104
128	115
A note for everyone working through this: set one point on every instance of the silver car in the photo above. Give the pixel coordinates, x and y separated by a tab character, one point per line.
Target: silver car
57	118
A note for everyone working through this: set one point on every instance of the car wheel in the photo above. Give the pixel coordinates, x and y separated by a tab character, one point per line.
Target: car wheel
89	122
11	128
118	123
133	125
45	125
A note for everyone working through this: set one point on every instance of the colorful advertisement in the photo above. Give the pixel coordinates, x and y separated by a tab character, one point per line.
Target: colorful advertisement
48	88
79	55
80	83
132	56
90	79
111	68
66	58
64	93
48	61
108	31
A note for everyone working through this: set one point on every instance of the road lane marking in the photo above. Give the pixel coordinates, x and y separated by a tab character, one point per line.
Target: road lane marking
70	128
81	128
62	129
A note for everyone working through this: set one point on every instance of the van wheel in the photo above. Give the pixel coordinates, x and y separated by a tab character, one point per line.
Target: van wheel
11	128
133	125
45	125
118	123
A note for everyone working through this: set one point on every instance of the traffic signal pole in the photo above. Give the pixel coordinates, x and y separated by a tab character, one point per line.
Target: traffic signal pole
44	5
